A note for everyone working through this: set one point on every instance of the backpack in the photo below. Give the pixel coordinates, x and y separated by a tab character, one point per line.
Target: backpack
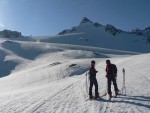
114	69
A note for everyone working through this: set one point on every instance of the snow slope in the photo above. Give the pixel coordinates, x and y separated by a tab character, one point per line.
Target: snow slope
92	34
50	78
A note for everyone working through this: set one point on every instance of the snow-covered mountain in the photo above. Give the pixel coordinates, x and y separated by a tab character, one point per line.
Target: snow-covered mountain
89	33
37	76
86	23
49	77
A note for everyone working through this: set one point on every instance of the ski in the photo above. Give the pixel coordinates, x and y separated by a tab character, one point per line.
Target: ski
98	97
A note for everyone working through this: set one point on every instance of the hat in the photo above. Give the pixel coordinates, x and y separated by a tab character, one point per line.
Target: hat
107	61
92	62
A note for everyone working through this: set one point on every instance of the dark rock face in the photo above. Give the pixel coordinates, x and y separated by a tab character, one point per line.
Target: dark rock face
73	30
137	31
148	40
111	29
67	31
63	32
85	20
147	28
147	32
97	25
10	34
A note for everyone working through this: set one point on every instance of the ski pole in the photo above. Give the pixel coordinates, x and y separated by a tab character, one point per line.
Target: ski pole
86	83
123	86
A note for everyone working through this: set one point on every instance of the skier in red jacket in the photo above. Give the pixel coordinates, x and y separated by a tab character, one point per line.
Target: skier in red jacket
111	74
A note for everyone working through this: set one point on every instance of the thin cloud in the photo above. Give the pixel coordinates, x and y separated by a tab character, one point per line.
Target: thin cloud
2	26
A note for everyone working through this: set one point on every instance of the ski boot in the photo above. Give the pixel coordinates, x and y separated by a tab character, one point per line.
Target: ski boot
91	97
110	96
116	92
96	96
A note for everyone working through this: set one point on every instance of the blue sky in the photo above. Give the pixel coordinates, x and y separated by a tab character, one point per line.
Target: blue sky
49	17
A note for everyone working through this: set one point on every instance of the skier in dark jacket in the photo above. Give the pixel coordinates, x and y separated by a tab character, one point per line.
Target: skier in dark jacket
111	74
93	80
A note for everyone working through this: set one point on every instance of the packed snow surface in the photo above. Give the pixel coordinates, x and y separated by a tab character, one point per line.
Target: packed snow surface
41	77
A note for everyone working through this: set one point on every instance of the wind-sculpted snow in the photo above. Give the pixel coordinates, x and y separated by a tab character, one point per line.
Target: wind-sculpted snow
6	64
69	94
50	78
25	50
17	55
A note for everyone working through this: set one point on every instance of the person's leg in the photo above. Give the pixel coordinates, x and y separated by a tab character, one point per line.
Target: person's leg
96	87
115	85
109	86
90	88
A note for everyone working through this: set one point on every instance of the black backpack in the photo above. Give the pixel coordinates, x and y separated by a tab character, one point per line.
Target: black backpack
114	69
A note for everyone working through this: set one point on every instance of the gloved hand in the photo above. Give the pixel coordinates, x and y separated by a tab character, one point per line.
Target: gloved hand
106	76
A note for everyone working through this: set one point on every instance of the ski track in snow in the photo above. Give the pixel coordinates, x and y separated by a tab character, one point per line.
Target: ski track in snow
51	88
30	102
67	96
64	97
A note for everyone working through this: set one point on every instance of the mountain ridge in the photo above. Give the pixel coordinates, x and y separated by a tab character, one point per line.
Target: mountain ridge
89	33
108	27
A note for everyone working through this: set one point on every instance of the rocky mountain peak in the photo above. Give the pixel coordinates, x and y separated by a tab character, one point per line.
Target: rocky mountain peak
147	28
111	29
85	20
